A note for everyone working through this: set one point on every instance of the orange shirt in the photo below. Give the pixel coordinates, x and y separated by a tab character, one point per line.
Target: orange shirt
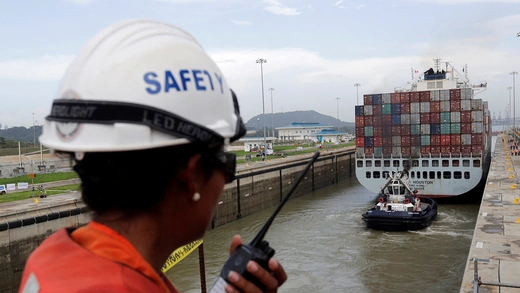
93	258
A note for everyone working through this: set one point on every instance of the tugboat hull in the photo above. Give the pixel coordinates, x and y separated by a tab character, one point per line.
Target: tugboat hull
401	220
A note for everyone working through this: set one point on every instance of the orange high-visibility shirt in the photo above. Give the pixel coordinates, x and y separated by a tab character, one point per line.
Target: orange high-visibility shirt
93	258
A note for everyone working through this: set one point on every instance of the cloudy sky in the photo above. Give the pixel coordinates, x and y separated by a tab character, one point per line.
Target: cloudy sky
316	50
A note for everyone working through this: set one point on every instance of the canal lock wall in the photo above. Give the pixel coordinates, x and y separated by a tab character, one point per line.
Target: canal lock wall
256	188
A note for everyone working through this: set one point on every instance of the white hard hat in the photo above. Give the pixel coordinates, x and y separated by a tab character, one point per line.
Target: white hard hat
141	84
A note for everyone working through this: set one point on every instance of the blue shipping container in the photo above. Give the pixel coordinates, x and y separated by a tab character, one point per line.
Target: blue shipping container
435	128
377	99
360	110
369	141
396	108
396	119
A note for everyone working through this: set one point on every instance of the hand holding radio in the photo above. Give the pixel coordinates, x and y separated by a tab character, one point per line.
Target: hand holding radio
254	278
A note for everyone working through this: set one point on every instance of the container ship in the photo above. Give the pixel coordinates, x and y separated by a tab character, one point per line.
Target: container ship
437	131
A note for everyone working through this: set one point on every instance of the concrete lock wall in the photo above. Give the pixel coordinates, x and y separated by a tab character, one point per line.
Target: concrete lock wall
21	232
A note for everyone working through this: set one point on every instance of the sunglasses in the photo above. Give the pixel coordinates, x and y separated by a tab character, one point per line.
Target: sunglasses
227	162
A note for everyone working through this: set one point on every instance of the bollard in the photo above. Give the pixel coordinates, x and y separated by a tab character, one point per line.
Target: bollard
516	200
513	186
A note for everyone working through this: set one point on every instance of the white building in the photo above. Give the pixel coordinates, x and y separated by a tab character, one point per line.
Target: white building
330	135
300	131
256	142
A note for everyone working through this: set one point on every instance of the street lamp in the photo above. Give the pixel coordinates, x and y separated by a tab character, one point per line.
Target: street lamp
34	133
337	107
509	88
262	61
357	85
513	73
272	112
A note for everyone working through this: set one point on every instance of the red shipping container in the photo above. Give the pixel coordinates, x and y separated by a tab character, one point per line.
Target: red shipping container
435	106
369	150
405	141
455	94
425	118
455	150
465	128
387	130
377	110
387	119
378	141
455	139
435	118
454	106
415	140
387	150
369	121
425	150
465	116
405	97
465	149
424	96
476	139
445	139
368	101
476	150
435	150
435	139
405	130
360	131
395	98
396	130
445	150
360	142
405	108
387	142
415	97
360	121
378	131
377	120
406	151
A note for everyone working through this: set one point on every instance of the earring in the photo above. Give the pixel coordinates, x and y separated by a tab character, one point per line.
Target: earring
196	196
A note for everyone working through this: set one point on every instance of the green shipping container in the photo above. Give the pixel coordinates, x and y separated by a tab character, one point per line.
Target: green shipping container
378	152
445	117
455	128
425	140
445	128
415	129
387	108
369	130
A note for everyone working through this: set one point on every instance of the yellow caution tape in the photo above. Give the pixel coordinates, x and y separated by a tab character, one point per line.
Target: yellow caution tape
179	254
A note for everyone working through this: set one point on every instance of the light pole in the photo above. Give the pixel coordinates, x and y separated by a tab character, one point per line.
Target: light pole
337	107
262	61
272	113
34	133
513	73
509	88
357	85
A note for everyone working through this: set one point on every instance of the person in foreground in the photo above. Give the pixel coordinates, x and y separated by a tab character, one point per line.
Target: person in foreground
146	114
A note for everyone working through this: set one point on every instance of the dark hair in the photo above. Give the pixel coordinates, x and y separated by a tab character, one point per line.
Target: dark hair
131	181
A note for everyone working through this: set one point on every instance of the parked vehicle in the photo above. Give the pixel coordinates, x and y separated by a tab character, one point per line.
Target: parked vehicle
3	189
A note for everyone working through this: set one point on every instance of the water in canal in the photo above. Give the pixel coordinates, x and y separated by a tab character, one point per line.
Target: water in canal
324	246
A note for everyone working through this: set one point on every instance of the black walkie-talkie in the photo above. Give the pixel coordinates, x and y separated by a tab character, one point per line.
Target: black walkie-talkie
258	249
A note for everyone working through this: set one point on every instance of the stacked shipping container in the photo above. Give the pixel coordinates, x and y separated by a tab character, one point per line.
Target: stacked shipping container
439	123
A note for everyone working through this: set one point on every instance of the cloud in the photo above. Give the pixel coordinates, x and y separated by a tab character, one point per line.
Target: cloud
360	6
80	2
306	80
457	2
241	22
278	8
47	67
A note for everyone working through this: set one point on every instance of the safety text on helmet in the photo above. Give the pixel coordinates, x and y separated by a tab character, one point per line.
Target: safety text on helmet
200	80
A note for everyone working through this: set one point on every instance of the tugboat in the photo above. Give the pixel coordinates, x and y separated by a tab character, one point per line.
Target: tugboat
398	208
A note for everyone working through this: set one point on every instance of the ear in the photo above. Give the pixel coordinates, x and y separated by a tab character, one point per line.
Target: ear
190	174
